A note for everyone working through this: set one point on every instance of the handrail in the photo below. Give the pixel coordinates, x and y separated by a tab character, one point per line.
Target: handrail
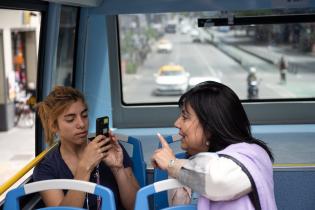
25	169
293	165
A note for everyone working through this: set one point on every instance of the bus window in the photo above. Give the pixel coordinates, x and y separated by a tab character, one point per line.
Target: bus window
280	55
66	41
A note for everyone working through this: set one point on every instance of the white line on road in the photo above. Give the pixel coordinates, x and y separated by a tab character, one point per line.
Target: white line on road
211	70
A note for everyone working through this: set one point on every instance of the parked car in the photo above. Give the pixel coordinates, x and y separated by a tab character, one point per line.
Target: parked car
164	46
171	80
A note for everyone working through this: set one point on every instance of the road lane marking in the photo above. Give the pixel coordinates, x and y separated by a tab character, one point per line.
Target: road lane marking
204	60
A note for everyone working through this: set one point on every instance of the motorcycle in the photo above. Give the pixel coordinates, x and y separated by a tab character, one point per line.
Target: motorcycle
252	90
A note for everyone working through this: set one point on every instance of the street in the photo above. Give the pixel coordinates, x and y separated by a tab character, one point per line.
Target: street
228	58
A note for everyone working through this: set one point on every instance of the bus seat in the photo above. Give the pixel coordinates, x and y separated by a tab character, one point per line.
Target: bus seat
61	208
12	202
160	200
138	164
142	195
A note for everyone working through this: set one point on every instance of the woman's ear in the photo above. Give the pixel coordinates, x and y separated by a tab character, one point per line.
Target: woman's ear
207	135
54	127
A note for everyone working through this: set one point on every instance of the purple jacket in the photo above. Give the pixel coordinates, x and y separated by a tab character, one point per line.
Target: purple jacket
258	164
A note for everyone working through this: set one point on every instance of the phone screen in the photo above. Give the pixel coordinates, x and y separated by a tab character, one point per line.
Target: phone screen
102	126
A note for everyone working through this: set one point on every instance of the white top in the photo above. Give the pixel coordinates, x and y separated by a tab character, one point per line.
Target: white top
217	178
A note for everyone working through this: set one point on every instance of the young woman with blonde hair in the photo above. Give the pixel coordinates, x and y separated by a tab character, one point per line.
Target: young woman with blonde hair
64	116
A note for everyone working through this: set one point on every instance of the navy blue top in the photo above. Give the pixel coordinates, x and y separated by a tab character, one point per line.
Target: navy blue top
54	167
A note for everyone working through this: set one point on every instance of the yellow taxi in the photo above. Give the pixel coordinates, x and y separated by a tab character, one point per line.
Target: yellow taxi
171	79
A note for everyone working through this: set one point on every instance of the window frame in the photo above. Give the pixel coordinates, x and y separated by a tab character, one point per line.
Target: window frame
283	111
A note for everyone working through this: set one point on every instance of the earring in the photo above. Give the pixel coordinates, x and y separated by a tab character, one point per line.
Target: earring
56	136
207	143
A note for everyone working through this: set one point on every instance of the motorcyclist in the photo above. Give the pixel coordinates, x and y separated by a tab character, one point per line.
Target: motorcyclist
283	65
252	84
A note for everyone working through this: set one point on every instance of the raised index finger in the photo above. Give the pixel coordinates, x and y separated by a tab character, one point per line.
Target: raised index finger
163	141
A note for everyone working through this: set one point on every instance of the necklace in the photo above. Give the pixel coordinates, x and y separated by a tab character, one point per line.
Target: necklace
98	199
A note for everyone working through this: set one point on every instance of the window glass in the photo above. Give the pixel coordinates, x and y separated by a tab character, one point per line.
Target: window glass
259	62
19	41
66	41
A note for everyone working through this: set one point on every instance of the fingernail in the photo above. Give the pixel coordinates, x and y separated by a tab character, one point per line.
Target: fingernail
158	134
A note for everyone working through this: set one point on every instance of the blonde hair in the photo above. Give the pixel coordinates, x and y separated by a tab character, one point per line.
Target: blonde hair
58	100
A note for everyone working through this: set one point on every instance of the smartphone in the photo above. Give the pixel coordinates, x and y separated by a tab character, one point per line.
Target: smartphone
102	126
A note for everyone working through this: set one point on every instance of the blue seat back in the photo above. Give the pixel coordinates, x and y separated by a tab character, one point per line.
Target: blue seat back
142	202
61	208
138	164
160	200
12	197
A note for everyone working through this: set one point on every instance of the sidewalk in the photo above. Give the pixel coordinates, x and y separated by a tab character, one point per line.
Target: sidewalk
17	148
297	61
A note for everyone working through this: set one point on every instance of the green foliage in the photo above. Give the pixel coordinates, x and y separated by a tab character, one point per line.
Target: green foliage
151	33
131	68
127	43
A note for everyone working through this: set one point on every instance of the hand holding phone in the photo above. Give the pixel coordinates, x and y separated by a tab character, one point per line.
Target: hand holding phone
102	126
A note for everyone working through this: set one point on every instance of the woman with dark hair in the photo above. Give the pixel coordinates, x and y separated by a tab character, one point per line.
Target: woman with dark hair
228	167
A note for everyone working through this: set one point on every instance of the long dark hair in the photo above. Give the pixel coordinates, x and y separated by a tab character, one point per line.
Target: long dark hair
221	115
